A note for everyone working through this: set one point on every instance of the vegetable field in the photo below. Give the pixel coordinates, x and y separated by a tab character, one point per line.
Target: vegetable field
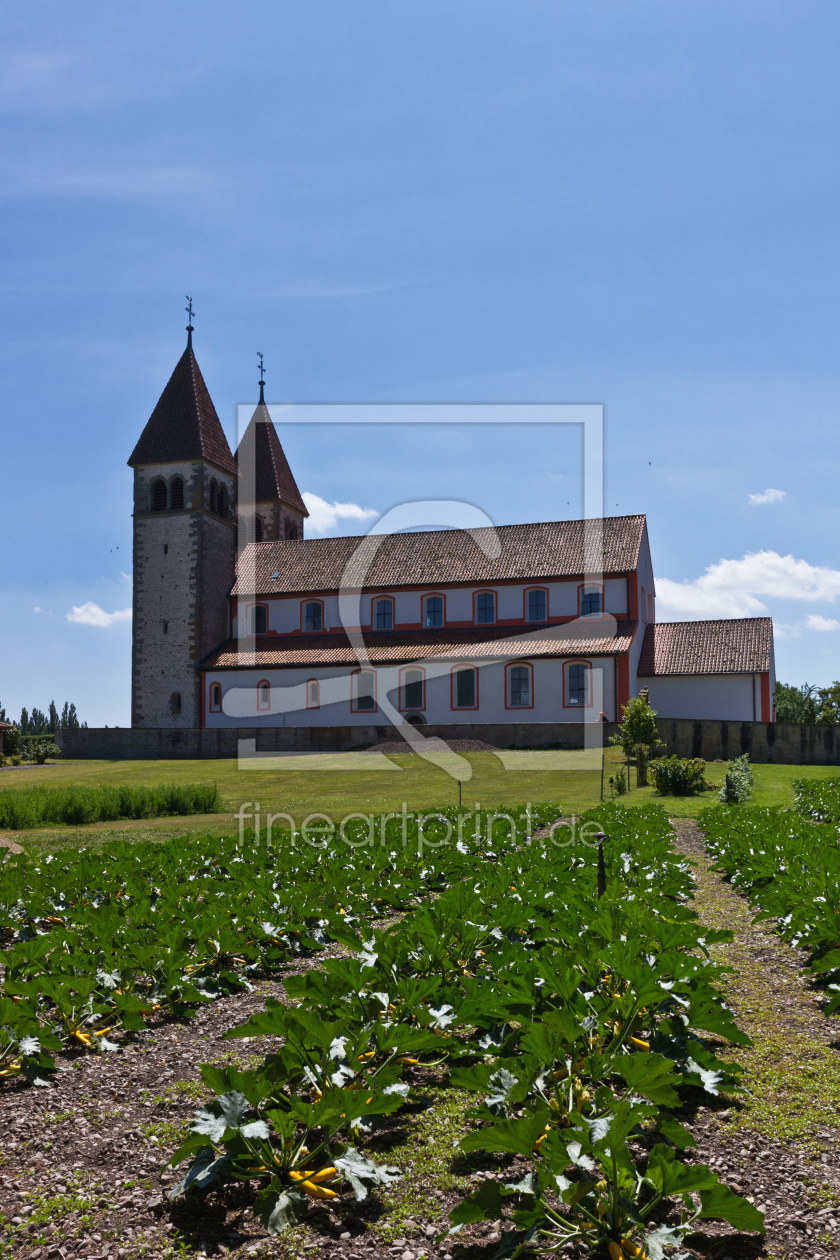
466	949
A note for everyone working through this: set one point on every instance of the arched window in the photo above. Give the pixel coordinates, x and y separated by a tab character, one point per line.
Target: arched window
215	698
290	530
485	608
221	501
212	496
313	694
591	601
313	616
158	495
464	686
263	696
536	608
363	694
177	500
416	719
433	611
383	614
175	703
258	619
258	529
412	691
520	692
578	685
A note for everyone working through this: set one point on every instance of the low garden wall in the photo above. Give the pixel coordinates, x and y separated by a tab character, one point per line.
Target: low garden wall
782	742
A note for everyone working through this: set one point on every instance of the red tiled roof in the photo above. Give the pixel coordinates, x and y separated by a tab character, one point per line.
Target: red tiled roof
260	456
544	550
184	424
578	638
741	646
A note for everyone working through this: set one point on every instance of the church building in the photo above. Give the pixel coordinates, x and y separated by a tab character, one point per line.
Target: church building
242	621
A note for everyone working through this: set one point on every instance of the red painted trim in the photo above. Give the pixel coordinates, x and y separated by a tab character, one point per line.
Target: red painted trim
408	587
526	592
578	661
212	707
403	708
633	600
303	604
353	708
263	708
765	697
317	682
623	697
486	590
643	612
462	708
249	634
515	665
586	586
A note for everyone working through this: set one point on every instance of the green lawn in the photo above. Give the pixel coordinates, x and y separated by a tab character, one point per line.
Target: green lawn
300	791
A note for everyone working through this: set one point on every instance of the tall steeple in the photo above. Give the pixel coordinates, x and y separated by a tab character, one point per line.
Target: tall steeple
270	504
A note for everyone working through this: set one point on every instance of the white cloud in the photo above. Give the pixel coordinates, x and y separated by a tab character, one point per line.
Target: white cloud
731	588
91	614
816	622
36	609
325	516
769	496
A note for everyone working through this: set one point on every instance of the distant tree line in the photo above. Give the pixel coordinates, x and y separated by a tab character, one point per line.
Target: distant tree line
808	703
38	723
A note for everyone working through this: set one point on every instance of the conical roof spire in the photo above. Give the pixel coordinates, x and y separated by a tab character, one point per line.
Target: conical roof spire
265	475
184	424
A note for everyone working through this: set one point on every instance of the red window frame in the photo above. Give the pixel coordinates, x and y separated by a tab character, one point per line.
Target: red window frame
316	704
214	704
303	604
414	708
378	599
590	586
354	695
518	665
578	660
525	595
453	689
249	633
263	708
423	598
488	590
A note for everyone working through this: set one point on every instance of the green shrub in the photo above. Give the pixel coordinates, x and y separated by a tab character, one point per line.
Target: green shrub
22	808
738	782
678	776
618	782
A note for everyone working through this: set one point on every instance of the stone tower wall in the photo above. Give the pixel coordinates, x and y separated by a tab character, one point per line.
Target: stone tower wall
184	563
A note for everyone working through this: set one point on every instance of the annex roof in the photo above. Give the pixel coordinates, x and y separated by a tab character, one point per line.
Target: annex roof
263	468
739	646
184	424
548	549
578	638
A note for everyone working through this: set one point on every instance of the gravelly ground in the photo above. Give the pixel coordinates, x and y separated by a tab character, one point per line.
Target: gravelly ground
81	1175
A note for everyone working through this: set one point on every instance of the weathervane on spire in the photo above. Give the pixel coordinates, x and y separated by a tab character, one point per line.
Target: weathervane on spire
189	308
262	374
190	313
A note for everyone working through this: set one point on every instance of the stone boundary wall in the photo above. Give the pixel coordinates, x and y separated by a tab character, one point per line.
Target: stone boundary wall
782	742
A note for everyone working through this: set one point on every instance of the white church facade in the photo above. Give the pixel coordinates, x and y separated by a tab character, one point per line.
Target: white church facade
242	621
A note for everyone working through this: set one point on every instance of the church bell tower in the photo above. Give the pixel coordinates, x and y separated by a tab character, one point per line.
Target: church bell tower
185	489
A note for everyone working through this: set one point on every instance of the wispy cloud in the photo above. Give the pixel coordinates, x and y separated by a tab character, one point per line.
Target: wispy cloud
91	614
768	496
816	622
324	516
734	588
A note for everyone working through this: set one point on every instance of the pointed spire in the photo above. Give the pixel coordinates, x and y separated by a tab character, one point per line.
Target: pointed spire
262	381
190	328
265	475
184	424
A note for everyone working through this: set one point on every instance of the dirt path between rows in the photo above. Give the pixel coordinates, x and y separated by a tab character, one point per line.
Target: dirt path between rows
779	1143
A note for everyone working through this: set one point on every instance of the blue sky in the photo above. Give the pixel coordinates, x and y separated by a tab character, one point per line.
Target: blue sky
631	204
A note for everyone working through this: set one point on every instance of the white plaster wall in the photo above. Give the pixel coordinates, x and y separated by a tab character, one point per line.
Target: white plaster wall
722	697
289	696
562	599
615	596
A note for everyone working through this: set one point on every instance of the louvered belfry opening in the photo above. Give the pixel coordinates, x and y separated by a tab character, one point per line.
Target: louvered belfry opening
177	494
159	495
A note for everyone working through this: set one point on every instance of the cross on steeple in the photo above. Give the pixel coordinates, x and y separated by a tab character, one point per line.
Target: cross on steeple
190	313
189	308
262	374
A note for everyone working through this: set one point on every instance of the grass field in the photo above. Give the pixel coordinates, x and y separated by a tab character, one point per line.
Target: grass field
298	790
